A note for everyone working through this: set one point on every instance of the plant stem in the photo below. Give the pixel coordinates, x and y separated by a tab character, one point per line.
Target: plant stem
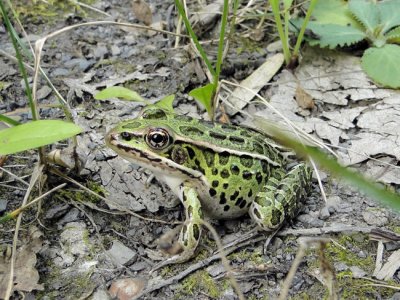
303	27
278	22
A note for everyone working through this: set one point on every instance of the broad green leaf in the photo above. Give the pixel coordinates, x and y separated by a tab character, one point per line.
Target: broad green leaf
393	36
356	179
205	95
35	134
382	65
366	12
166	103
8	120
120	93
332	35
334	12
389	12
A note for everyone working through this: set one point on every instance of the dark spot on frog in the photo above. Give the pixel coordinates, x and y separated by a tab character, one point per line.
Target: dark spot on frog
190	152
228	128
258	148
238	201
198	166
235	170
257	213
225	173
225	185
265	167
214	171
217	135
246	161
196	231
234	195
212	192
189	130
154	114
250	193
222	198
236	140
226	207
247	175
183	118
223	158
243	204
259	177
209	157
215	183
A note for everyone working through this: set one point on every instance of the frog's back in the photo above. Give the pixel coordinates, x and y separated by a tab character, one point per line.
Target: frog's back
224	136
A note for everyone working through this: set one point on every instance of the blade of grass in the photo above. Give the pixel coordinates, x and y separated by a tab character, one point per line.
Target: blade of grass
194	37
21	66
278	22
220	53
8	120
296	49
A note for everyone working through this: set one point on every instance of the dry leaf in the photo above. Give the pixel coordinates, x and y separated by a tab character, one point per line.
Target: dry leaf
26	276
304	99
126	289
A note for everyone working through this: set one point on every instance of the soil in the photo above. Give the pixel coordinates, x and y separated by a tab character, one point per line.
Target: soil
75	245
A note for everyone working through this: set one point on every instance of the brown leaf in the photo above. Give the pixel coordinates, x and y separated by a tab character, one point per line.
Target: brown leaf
304	99
142	12
26	276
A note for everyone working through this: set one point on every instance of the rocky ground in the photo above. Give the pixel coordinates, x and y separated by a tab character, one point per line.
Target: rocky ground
76	245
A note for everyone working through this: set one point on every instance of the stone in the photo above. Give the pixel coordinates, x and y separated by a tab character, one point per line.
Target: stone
120	254
375	216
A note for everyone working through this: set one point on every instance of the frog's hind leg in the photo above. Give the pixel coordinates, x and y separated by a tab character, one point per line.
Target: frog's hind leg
280	198
191	230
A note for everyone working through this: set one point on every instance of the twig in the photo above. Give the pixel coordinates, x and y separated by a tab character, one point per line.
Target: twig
35	176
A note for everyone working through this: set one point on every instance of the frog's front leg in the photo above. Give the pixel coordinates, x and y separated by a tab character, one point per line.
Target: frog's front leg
280	198
191	230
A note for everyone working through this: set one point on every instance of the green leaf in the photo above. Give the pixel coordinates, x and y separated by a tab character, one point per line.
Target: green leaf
204	95
389	12
332	35
35	134
166	103
382	65
366	12
118	92
393	36
334	12
8	120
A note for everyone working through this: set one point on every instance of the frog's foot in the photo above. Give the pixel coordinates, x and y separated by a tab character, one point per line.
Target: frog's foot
191	230
281	200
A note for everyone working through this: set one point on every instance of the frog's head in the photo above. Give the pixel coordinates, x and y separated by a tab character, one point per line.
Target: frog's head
149	141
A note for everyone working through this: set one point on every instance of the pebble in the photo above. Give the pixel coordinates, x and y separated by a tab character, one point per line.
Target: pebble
357	272
120	254
324	213
375	216
71	216
43	92
3	205
56	212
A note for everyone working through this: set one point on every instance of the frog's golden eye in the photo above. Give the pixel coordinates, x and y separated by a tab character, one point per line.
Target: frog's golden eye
158	138
126	136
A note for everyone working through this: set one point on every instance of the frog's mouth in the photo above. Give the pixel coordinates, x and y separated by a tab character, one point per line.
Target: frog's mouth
149	160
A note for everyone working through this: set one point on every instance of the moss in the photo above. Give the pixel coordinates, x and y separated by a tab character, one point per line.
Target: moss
49	10
255	256
83	196
199	281
349	287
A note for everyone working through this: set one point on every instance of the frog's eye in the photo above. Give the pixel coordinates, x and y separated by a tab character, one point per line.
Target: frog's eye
158	138
126	136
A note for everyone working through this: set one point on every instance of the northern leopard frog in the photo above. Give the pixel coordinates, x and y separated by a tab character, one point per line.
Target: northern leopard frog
219	170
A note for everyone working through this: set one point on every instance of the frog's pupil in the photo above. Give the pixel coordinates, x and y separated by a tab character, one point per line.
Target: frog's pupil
158	138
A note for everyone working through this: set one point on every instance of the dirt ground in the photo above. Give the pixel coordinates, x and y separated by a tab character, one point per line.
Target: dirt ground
75	245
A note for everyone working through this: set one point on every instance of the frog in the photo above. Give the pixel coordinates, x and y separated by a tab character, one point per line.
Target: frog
218	171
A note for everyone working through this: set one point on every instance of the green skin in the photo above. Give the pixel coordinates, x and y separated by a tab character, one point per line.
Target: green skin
219	170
